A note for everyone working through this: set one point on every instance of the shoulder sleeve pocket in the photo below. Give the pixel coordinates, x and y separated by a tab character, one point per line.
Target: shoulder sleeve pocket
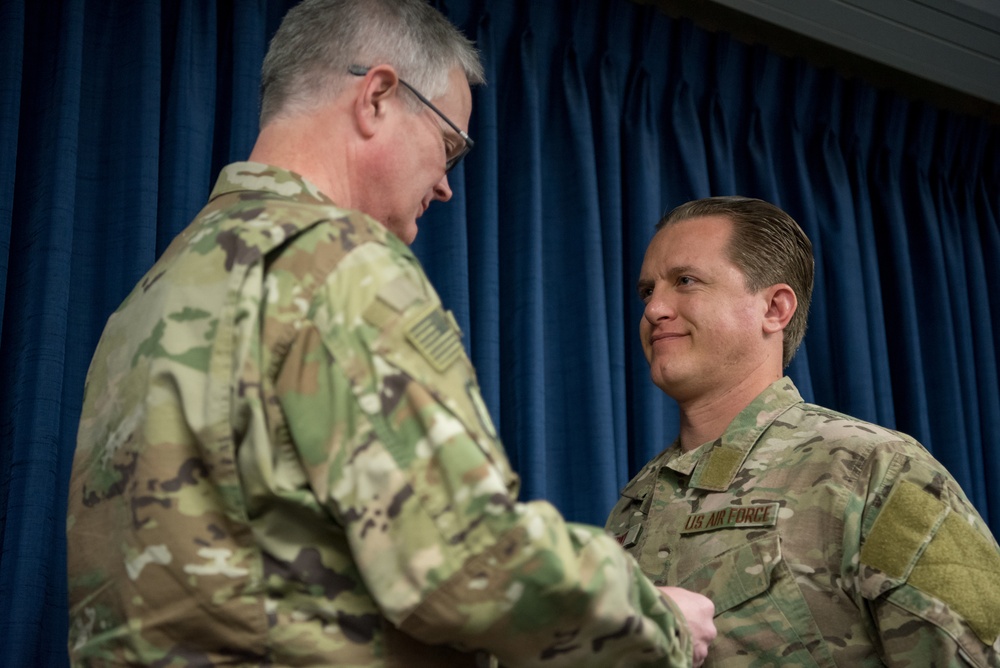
737	575
419	355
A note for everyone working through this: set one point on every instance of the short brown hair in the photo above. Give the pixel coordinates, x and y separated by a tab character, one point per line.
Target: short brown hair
769	248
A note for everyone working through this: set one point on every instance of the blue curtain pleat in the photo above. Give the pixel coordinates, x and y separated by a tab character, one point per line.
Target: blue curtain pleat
846	334
187	133
598	117
982	225
482	211
582	433
797	160
12	22
967	285
240	56
524	413
11	55
37	324
723	135
856	133
652	420
619	329
899	303
767	112
939	349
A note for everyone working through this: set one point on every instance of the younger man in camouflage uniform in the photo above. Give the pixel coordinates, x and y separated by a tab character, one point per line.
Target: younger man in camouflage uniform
821	539
283	457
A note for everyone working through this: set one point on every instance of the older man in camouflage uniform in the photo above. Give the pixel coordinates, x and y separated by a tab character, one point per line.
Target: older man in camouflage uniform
283	457
822	540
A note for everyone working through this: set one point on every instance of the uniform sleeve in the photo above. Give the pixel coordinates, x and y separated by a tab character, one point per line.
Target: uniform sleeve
929	569
388	419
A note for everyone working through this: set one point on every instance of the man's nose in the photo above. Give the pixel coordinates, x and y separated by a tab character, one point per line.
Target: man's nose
442	191
658	306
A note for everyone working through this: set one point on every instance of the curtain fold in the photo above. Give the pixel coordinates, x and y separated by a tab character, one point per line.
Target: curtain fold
34	364
12	56
856	131
598	117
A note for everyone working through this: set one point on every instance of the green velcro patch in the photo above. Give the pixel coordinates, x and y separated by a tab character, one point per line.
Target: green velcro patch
432	335
378	314
901	530
400	292
962	568
718	471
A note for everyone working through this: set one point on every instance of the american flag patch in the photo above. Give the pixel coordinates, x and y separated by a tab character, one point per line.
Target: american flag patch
431	333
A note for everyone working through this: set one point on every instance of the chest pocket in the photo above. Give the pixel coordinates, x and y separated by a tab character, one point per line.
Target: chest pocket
759	609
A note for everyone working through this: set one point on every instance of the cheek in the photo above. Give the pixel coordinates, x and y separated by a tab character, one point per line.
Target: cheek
743	322
644	329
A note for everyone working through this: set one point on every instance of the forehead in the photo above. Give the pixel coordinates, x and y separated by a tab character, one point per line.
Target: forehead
692	241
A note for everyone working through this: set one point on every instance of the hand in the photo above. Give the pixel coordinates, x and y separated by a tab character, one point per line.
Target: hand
698	610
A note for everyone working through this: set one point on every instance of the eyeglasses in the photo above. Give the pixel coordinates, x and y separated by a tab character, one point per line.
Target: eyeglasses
450	162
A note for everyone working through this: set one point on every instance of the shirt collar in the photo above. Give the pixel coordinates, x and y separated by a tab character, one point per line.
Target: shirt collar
721	461
255	176
714	465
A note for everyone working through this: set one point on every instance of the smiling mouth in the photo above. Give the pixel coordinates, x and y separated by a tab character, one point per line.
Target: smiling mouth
665	336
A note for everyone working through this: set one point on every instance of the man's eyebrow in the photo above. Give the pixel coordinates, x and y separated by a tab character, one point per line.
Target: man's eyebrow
674	272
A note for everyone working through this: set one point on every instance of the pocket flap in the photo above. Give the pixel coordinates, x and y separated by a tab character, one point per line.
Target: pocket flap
738	574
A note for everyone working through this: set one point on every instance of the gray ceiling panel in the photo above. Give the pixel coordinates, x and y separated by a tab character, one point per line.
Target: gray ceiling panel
952	43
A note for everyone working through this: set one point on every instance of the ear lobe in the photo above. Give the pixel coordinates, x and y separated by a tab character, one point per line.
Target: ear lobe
380	84
781	306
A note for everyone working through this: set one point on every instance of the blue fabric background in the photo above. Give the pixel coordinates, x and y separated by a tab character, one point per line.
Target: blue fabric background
599	116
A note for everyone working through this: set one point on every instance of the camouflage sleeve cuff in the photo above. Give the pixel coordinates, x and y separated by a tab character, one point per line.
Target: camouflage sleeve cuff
681	630
554	594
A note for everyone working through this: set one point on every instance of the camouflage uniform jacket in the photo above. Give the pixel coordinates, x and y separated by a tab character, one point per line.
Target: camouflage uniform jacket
822	540
284	460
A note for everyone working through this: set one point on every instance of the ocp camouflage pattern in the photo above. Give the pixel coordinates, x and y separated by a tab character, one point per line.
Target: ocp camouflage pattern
284	460
823	540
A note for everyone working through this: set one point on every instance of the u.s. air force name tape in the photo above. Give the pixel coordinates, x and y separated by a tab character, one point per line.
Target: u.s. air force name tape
732	517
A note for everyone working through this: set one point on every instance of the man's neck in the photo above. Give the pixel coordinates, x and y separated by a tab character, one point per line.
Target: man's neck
301	144
706	417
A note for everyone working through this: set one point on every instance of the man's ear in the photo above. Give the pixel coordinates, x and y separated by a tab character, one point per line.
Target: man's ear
780	304
381	84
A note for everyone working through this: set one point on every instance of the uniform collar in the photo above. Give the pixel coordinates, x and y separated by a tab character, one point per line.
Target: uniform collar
718	463
257	177
714	465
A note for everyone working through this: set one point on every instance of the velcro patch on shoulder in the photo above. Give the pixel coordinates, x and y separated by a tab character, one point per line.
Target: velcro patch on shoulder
400	292
902	530
962	568
432	334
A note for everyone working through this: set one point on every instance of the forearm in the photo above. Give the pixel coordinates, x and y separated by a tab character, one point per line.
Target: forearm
554	594
451	557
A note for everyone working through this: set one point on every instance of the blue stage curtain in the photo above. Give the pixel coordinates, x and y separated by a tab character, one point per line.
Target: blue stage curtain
599	116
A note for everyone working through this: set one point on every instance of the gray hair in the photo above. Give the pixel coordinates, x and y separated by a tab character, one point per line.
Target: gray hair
318	40
769	248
